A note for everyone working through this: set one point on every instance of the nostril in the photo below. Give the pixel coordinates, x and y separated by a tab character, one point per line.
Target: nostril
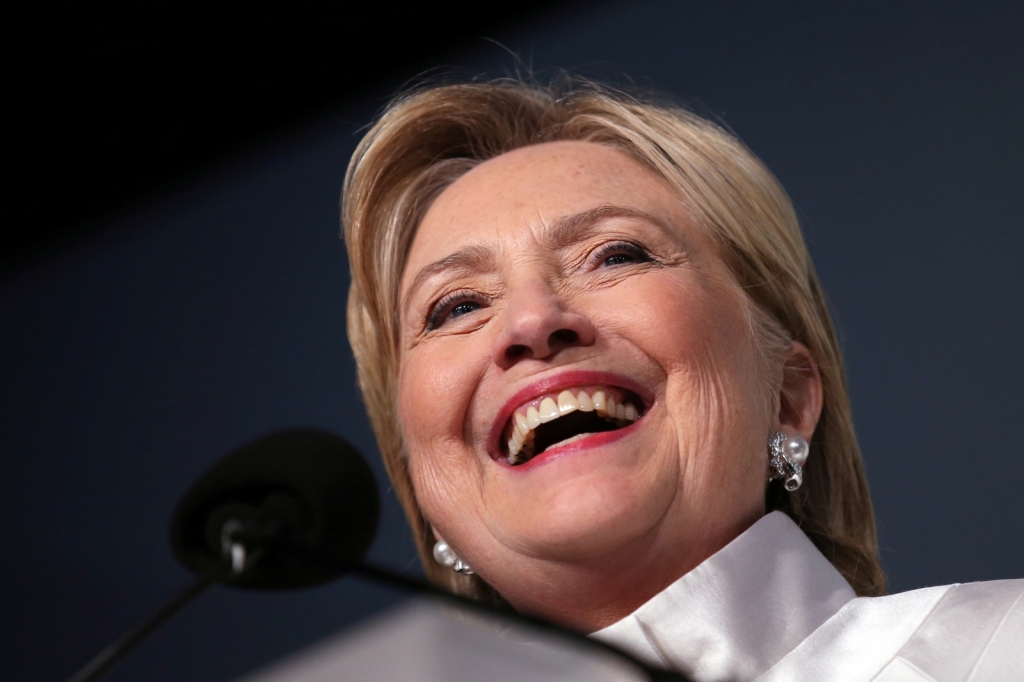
564	336
515	351
539	347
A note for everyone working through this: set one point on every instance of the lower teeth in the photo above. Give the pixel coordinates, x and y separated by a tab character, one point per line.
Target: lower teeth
527	452
570	439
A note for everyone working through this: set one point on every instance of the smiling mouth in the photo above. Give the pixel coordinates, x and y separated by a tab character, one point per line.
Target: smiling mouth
554	420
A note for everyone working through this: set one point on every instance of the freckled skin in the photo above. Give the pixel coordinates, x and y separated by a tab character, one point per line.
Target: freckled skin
585	538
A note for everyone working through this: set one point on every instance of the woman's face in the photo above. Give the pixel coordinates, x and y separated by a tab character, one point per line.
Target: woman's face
549	272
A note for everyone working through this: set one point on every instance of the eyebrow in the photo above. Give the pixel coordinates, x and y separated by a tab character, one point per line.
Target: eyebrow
469	260
561	233
567	230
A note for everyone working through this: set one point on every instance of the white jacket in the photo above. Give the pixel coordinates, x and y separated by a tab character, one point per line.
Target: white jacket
770	607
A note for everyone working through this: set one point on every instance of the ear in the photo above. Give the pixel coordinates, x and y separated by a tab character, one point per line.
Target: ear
800	396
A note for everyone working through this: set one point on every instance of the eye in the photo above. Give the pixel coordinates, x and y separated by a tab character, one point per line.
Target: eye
463	308
620	253
452	306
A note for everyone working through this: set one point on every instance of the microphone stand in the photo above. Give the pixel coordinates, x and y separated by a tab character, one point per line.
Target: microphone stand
163	611
237	559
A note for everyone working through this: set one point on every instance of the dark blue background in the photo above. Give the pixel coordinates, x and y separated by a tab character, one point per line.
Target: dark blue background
216	315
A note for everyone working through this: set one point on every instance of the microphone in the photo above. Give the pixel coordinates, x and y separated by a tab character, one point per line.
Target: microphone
293	509
304	499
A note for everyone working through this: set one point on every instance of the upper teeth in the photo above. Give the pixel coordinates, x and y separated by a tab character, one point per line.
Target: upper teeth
549	409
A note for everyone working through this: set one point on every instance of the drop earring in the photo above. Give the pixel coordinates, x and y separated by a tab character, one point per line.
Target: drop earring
444	555
787	455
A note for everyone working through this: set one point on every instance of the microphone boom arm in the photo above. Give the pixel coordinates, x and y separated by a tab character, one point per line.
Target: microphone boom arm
138	631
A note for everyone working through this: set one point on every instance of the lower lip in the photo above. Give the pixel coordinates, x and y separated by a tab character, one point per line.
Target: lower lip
575	447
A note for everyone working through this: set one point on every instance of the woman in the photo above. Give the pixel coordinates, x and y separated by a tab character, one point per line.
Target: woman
594	351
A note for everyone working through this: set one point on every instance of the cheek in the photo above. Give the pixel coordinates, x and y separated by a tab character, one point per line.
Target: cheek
432	395
436	387
697	333
685	325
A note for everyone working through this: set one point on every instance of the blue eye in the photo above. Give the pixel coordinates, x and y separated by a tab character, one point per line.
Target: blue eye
463	308
452	306
617	259
621	253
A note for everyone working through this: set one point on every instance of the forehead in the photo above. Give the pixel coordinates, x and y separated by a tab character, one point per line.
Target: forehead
513	196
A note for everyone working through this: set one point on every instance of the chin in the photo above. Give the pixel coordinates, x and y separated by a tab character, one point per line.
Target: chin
587	517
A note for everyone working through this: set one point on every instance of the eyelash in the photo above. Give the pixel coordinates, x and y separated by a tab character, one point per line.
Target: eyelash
629	248
443	307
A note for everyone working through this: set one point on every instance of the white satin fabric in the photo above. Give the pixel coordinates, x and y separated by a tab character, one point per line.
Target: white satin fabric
770	607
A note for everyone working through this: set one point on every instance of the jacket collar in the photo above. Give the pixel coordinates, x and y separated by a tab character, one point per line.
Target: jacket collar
739	612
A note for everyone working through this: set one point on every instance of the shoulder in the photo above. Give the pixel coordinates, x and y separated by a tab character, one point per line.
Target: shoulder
953	633
973	632
995	604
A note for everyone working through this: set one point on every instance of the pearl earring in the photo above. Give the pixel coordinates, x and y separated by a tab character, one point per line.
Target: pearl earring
444	555
787	455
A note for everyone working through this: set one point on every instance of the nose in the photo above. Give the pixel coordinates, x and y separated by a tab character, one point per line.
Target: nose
537	324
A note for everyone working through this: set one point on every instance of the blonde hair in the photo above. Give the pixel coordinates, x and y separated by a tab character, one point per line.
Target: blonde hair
427	138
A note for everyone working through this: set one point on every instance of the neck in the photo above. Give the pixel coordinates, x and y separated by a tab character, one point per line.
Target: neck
588	595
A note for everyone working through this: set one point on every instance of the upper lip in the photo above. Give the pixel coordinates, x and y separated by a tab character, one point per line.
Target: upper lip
557	382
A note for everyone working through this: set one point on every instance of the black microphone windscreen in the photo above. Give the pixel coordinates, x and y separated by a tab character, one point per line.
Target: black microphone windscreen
311	493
